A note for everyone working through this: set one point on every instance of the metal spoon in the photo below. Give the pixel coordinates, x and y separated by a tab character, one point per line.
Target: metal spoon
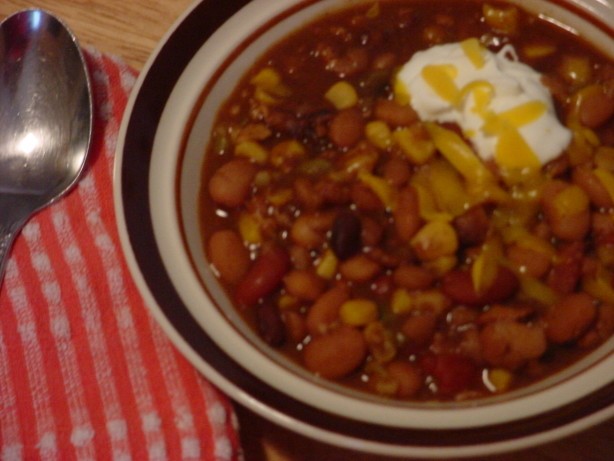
45	118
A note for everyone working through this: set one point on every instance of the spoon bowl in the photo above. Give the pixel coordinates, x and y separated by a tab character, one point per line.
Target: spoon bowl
45	117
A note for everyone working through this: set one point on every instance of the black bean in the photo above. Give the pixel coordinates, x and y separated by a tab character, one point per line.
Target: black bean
270	324
345	238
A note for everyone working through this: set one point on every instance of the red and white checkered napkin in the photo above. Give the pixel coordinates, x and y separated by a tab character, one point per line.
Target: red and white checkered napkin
85	372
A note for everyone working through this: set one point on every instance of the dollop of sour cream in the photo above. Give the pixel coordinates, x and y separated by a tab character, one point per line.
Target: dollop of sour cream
500	104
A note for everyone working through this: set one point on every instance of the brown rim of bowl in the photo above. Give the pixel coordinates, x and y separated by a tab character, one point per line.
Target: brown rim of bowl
142	124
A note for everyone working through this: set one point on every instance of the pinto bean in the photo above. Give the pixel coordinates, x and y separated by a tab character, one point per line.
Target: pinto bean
309	230
394	113
603	228
346	128
594	188
397	171
602	328
458	285
419	329
595	105
354	61
364	198
472	226
324	313
530	262
296	330
498	313
265	274
335	354
565	274
413	277
228	255
345	239
566	208
230	185
511	344
372	231
407	378
407	220
304	284
359	268
568	319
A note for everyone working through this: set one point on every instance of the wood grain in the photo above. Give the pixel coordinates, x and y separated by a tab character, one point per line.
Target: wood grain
131	30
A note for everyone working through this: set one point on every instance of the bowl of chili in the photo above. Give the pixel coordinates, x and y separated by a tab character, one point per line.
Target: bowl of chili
328	248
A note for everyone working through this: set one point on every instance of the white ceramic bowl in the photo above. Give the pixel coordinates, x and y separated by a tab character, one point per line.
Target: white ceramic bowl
172	111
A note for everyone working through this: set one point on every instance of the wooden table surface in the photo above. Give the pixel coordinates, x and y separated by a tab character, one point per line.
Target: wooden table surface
131	29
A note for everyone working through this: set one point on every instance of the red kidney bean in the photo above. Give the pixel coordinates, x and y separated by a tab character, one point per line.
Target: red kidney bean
265	274
231	183
345	239
452	373
228	255
458	285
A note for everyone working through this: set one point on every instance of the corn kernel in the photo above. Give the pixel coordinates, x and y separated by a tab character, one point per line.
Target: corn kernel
342	95
486	265
404	301
414	144
358	312
441	265
576	70
401	301
267	78
434	240
607	179
263	96
501	19
249	228
604	158
499	379
252	150
570	201
599	286
327	266
535	289
287	302
379	134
